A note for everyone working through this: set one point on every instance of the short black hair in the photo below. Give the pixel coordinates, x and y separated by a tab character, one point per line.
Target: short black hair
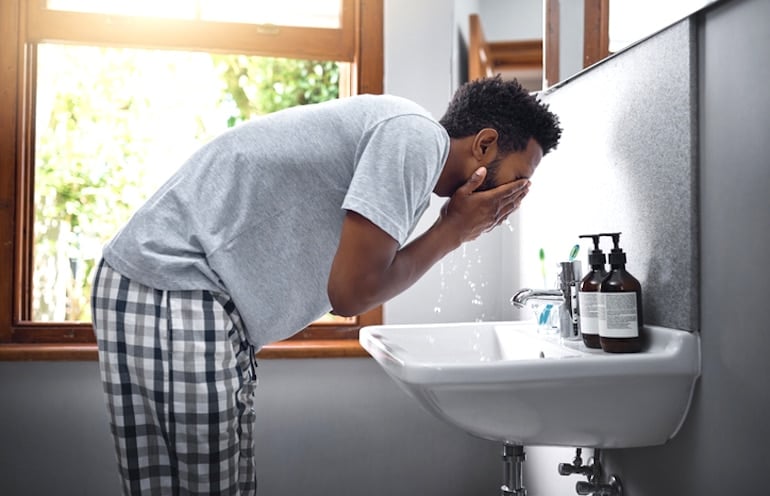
508	108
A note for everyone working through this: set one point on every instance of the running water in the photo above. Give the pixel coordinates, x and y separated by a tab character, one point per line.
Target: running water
442	286
470	259
476	298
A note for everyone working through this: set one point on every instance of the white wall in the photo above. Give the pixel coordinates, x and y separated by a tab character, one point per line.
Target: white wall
506	20
632	21
420	46
463	9
570	38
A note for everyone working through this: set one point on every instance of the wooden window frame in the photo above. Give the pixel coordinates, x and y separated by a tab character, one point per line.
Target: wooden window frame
596	31
596	36
23	23
487	58
551	43
509	58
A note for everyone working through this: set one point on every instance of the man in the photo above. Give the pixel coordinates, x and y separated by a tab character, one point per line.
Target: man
267	228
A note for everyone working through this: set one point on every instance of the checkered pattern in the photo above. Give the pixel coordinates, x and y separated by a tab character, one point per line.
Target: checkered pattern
179	377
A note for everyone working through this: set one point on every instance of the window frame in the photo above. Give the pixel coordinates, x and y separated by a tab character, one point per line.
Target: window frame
23	23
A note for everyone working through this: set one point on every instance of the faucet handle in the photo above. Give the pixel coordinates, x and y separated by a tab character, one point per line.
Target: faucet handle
613	488
522	296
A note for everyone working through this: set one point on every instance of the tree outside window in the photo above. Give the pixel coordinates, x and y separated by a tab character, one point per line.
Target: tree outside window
114	123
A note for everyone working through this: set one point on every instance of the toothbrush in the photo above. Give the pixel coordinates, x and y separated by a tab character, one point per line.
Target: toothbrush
574	253
542	266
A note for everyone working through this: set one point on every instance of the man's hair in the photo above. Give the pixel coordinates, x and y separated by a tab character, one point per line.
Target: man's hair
508	108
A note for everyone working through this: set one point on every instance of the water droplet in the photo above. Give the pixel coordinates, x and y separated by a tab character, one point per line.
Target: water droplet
436	309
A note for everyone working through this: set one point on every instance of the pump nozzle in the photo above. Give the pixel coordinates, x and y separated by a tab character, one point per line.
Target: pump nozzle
615	239
596	257
617	256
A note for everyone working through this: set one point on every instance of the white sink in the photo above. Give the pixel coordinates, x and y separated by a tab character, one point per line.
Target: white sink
504	382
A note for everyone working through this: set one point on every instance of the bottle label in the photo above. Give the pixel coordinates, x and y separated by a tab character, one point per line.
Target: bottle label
589	312
618	316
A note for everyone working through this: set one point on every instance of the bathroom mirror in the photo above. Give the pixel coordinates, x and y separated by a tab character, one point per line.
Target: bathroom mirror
574	33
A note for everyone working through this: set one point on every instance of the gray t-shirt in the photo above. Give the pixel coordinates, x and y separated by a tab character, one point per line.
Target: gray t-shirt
257	212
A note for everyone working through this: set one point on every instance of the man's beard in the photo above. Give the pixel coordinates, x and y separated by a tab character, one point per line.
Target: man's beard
490	180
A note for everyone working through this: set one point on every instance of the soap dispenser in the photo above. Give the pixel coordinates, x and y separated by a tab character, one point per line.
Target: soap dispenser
588	294
620	306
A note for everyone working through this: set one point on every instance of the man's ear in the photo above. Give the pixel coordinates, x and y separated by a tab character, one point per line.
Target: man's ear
484	146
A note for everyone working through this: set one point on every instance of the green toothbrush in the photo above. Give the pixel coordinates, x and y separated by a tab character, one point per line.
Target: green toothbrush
574	253
542	266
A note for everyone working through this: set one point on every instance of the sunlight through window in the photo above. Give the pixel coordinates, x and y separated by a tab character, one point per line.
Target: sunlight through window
304	13
113	123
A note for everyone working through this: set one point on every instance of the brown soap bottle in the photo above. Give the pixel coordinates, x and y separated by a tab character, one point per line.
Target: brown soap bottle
588	294
620	309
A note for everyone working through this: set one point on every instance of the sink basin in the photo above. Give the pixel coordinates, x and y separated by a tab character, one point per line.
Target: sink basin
503	381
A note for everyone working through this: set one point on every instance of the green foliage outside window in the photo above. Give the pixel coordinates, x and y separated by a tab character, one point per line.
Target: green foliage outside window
262	85
112	124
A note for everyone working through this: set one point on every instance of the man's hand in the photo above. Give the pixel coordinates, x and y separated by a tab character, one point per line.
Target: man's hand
369	268
470	213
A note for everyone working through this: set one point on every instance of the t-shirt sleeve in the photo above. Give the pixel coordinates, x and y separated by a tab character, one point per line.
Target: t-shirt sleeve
398	165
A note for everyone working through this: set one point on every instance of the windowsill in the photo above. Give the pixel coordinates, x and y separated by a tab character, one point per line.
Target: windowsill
68	341
320	348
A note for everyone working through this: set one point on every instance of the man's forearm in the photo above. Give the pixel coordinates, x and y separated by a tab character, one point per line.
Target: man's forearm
369	268
411	263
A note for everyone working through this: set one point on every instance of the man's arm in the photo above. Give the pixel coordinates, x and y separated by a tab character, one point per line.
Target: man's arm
369	269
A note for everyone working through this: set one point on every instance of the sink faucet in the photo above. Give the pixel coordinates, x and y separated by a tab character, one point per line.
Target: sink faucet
565	297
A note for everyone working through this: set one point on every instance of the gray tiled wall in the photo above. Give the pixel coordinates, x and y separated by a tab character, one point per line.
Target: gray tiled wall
627	162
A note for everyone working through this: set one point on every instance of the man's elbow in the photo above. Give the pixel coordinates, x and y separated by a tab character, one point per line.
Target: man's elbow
347	303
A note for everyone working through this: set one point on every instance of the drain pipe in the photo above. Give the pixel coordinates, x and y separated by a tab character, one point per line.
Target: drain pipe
513	470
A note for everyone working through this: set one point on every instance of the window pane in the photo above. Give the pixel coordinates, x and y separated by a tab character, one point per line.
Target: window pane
304	13
174	9
112	124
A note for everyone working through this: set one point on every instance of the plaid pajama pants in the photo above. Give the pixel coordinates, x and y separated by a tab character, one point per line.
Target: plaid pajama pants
179	377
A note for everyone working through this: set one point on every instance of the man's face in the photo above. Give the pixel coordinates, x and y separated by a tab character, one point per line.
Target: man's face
514	166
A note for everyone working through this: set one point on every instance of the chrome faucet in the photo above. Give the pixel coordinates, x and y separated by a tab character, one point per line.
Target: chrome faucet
565	297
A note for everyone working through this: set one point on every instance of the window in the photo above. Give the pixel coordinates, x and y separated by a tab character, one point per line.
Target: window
75	72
